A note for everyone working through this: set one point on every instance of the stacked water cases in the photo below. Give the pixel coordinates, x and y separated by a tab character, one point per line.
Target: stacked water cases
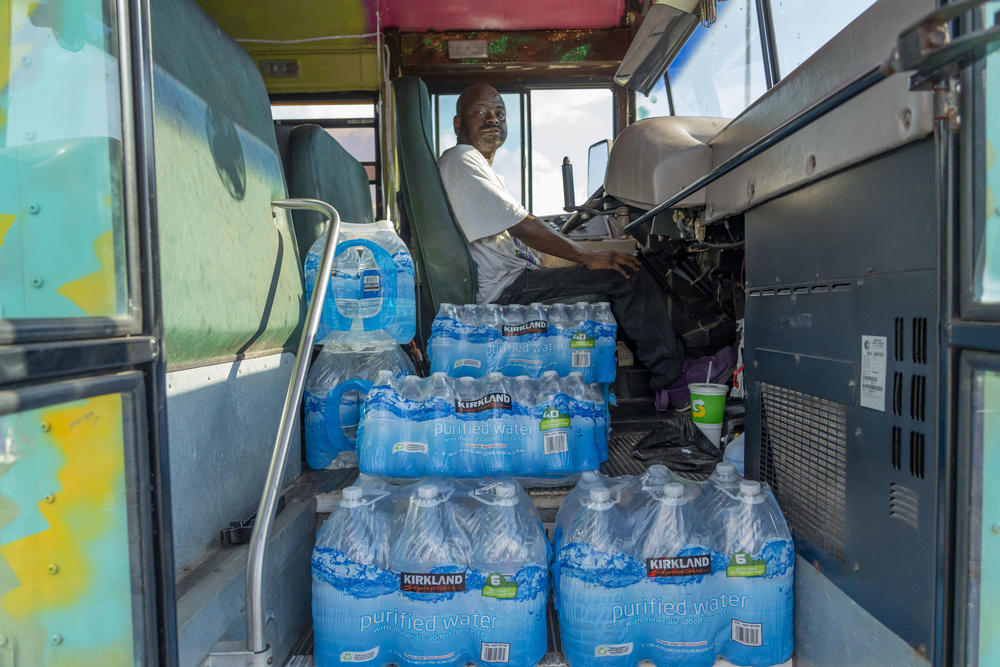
644	572
439	573
470	427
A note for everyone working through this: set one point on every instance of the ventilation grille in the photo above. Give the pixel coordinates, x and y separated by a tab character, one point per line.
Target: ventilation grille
898	347
803	457
920	340
917	454
897	394
918	397
904	505
897	447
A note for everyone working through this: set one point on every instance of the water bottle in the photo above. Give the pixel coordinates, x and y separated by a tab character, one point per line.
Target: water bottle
601	420
510	340
721	486
471	361
676	551
553	426
598	523
754	540
582	340
527	456
346	285
470	438
411	445
442	424
370	284
491	325
673	527
502	439
428	538
506	538
353	541
605	364
582	419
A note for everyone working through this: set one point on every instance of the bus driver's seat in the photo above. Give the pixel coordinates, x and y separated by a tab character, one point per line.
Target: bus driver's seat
445	270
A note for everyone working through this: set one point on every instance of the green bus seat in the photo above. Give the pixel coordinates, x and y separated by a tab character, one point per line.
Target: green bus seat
445	270
320	168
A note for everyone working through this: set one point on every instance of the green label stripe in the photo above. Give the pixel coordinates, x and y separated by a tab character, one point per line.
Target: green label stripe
741	565
562	421
499	587
581	342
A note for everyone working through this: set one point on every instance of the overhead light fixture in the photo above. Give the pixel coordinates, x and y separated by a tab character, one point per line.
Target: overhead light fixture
663	32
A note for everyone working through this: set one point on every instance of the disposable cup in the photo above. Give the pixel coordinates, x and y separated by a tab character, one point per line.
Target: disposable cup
708	407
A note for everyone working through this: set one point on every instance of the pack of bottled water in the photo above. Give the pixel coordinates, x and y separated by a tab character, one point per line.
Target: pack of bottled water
474	340
648	568
472	427
335	390
371	287
435	573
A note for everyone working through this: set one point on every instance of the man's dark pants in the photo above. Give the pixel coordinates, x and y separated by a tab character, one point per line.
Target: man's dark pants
635	302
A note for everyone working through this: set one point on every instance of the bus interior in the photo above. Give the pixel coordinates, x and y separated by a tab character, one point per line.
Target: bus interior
809	181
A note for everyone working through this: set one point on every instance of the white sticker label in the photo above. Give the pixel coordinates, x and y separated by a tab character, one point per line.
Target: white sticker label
359	656
555	442
472	363
611	650
748	634
581	358
410	448
494	652
873	358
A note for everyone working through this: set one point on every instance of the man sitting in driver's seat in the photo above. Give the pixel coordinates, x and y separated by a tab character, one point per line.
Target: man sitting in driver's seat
505	239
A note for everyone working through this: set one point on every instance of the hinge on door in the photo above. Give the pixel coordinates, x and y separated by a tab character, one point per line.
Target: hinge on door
929	50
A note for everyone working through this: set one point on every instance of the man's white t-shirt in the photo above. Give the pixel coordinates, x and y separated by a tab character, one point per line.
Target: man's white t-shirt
484	211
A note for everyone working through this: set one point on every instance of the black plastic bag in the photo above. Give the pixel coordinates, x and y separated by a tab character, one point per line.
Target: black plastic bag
680	445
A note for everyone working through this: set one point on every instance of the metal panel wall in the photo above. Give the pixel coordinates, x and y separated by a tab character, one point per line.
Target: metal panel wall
840	272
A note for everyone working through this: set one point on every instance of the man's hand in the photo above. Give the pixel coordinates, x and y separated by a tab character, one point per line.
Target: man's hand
611	259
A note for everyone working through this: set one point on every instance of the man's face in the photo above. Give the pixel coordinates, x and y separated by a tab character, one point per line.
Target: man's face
482	120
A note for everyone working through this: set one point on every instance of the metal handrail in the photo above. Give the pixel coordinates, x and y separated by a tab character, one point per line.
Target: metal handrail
269	499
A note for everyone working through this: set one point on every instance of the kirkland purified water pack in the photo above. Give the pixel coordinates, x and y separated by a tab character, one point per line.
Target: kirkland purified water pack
435	573
335	390
643	571
469	427
371	287
474	340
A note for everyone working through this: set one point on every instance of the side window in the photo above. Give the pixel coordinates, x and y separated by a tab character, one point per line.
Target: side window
803	26
62	212
352	125
986	229
720	70
565	122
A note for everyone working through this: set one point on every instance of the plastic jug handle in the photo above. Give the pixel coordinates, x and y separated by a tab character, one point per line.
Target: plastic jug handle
332	314
334	429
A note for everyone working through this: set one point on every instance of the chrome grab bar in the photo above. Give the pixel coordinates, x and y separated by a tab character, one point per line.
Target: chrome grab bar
269	499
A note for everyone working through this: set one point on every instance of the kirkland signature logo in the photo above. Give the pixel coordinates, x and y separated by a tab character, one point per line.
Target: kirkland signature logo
432	583
679	566
492	401
535	326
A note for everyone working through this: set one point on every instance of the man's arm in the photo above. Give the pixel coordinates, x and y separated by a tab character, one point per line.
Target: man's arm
536	234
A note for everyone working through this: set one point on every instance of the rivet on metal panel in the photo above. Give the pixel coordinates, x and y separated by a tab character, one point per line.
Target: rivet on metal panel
55	640
852	384
53	568
37	281
755	363
858	432
857	566
871	269
34	208
45	426
49	498
810	165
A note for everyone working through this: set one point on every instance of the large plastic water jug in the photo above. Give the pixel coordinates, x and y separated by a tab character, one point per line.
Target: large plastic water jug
335	391
371	286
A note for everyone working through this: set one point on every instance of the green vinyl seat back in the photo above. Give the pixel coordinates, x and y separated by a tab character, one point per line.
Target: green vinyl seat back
445	270
318	167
